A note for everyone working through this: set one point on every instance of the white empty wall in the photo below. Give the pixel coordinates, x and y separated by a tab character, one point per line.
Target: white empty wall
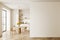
26	12
8	20
45	19
15	17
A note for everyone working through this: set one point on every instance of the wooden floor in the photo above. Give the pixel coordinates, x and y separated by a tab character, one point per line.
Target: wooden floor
24	36
15	36
46	38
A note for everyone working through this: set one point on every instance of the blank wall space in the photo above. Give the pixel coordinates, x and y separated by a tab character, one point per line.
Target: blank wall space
45	19
15	18
8	20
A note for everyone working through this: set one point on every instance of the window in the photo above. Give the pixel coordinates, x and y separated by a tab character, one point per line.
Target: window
4	20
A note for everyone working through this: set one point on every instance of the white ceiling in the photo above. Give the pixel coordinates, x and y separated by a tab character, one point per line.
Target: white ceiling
22	4
16	4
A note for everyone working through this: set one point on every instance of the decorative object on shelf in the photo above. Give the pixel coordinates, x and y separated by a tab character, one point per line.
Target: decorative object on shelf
20	20
20	23
26	18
